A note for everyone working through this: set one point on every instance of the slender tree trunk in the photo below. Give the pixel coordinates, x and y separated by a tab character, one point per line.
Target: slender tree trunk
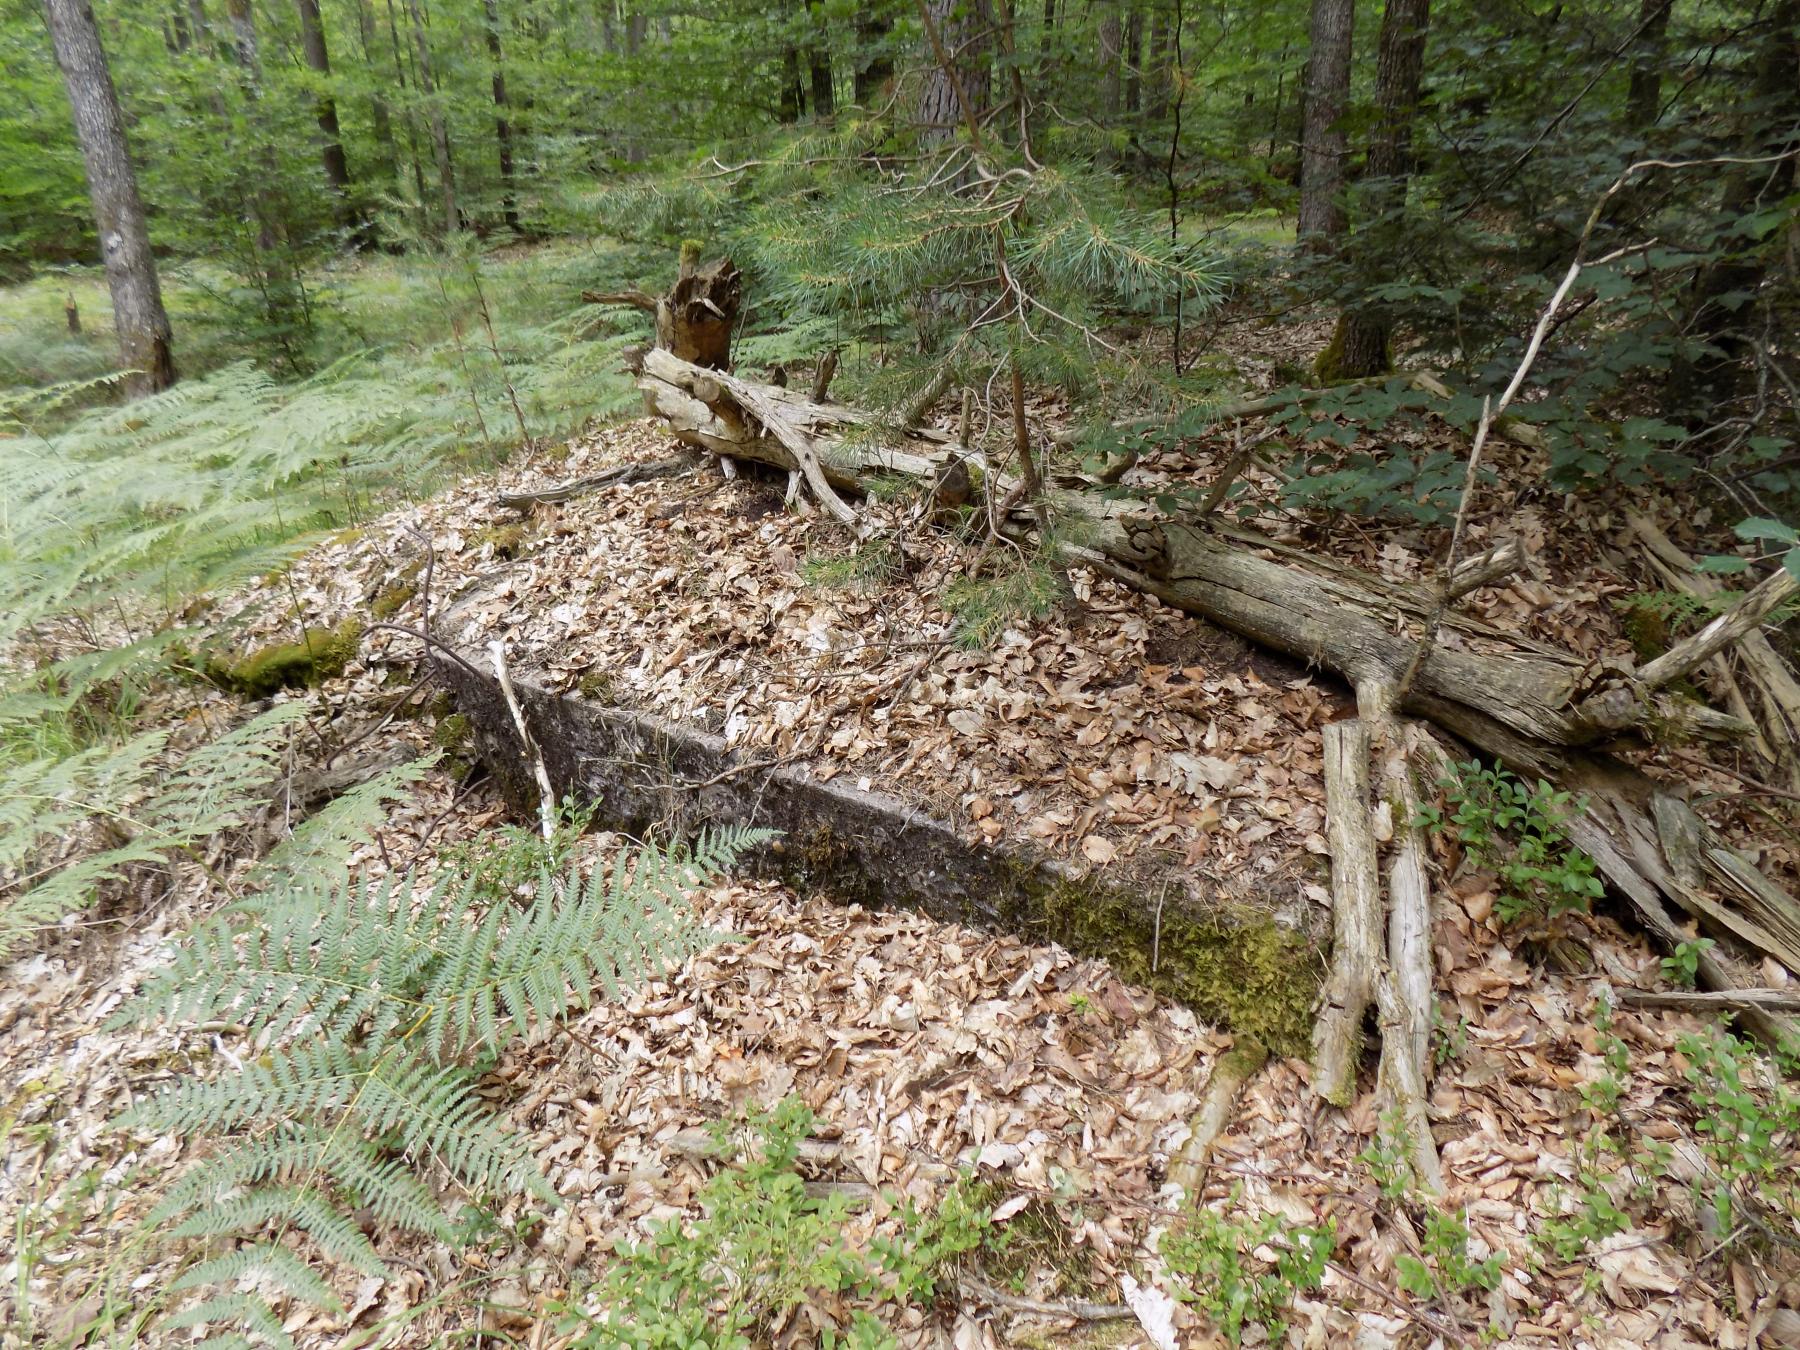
1364	334
138	314
1324	148
1110	42
331	148
1644	98
243	40
1156	72
412	133
503	131
381	117
1134	61
874	63
440	131
793	88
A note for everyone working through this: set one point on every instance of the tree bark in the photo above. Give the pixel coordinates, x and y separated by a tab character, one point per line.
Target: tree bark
1365	333
963	77
824	98
1324	146
874	63
503	131
412	133
331	138
1134	61
440	131
1111	40
793	90
138	315
1644	99
1356	912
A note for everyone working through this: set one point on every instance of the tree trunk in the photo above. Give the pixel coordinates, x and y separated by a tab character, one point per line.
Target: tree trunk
1156	72
1324	148
440	131
1362	346
962	78
503	132
381	118
331	147
1110	43
793	88
874	63
1134	61
824	98
138	314
1644	98
412	134
243	36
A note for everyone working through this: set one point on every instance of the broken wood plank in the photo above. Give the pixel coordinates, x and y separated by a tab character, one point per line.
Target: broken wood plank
1356	913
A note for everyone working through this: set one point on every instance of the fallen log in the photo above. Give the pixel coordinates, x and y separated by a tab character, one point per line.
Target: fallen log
1537	711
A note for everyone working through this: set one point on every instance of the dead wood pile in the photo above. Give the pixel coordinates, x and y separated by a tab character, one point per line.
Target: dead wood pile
1405	650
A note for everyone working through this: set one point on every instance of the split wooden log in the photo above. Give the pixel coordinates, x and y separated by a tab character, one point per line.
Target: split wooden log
1405	993
695	319
1356	913
1529	706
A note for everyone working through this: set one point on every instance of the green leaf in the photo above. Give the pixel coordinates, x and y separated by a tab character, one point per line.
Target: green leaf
1727	564
1761	527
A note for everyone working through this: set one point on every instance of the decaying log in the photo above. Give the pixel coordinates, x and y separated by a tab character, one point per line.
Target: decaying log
694	320
1536	710
1356	913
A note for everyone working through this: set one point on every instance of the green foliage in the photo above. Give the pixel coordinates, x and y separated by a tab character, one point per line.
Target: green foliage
867	568
379	1008
1748	1118
1444	1265
1683	967
1516	828
762	1247
138	804
1217	1258
1021	588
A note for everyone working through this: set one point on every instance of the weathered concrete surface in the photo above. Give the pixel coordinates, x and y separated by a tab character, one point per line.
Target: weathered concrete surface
1232	962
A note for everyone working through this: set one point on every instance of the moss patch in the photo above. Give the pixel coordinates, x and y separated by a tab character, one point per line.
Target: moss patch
321	654
1233	966
507	541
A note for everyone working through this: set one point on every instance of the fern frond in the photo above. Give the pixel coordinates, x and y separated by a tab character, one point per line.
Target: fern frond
267	1260
306	1080
246	1311
282	1207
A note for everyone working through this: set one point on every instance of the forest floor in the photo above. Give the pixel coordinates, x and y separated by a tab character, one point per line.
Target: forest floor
1105	730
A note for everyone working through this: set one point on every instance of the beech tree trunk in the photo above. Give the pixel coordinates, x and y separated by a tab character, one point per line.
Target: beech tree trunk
503	131
138	315
331	138
1364	334
1324	147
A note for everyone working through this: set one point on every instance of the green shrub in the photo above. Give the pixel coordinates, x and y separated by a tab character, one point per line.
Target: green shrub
1216	1258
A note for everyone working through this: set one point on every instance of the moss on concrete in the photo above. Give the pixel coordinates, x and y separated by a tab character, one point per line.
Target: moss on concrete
321	654
1234	965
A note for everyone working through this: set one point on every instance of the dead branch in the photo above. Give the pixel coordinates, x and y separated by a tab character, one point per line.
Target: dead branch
614	477
1230	1072
1075	1310
1720	1000
635	298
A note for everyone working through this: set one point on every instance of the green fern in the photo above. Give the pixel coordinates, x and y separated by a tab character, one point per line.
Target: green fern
379	1007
